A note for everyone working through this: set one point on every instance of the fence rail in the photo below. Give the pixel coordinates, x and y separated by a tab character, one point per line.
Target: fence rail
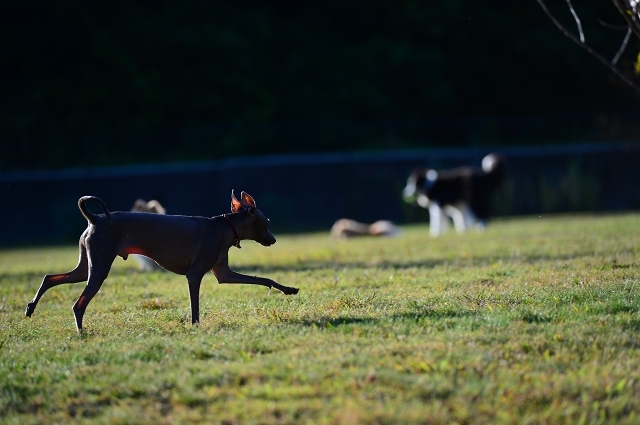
310	191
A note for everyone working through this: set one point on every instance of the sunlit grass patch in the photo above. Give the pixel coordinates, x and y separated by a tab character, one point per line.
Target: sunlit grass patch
534	321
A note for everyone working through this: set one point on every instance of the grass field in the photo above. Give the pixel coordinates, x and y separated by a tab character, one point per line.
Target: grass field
535	321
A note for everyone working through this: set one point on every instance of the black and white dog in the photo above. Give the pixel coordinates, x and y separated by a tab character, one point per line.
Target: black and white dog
463	194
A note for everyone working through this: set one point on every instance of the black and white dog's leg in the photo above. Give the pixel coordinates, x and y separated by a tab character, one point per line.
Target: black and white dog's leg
438	221
470	219
457	215
462	216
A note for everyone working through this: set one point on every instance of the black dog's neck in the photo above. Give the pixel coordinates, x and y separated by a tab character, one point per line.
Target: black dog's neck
235	232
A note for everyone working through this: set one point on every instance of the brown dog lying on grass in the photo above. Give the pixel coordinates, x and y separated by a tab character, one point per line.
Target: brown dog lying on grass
346	228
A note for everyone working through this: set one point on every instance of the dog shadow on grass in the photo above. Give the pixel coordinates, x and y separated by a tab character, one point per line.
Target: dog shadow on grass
313	265
418	315
37	276
305	266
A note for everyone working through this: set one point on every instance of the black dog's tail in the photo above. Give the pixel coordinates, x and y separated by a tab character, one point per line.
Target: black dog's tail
85	212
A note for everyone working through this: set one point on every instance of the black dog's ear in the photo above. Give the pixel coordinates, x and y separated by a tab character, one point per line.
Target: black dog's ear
248	202
236	206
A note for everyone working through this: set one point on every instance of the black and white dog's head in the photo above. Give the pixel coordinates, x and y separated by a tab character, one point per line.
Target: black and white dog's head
463	193
419	185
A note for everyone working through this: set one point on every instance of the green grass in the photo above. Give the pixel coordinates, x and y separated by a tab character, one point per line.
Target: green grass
535	321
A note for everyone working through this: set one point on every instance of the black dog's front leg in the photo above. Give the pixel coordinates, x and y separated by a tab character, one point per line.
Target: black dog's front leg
229	276
225	275
194	280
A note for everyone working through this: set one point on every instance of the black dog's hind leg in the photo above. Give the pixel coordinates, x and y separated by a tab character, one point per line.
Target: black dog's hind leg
79	274
97	275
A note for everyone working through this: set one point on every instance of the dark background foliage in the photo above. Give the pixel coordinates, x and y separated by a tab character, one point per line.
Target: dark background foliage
99	83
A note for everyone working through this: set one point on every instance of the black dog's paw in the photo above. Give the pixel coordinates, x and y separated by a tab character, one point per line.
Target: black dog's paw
291	291
29	311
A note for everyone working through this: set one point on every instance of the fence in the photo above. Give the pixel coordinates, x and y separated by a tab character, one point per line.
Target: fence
309	192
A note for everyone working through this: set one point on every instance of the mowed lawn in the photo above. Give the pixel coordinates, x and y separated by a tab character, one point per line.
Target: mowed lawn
537	320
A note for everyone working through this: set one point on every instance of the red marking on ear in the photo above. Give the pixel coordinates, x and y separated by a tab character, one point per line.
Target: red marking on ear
236	206
247	200
58	277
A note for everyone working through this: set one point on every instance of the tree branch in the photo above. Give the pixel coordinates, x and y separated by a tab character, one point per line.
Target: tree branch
595	54
609	26
622	46
629	13
575	18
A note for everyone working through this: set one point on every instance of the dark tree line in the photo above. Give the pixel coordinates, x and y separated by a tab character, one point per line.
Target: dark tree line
116	82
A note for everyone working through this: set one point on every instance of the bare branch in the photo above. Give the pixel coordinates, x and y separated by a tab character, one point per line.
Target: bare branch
558	24
629	13
621	27
622	46
578	23
595	54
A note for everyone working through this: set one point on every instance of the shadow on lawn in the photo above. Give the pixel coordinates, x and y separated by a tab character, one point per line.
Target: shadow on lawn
312	265
302	266
38	275
414	315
